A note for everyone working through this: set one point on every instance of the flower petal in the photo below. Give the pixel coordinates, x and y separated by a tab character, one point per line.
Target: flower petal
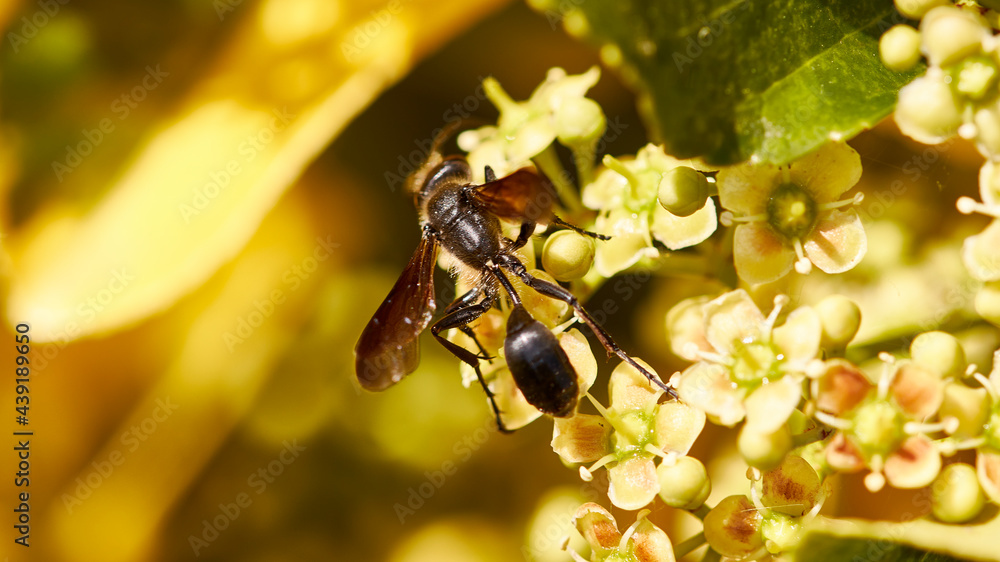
629	241
838	242
828	172
760	255
651	544
914	465
581	438
988	470
840	388
608	191
598	527
799	337
745	189
677	427
730	318
981	253
769	406
633	483
582	358
916	390
989	184
631	390
842	455
708	388
680	232
686	328
517	412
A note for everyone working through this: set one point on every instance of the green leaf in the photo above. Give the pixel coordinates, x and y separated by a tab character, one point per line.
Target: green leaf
820	547
737	80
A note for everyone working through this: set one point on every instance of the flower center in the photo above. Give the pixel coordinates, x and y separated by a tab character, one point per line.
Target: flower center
991	430
975	77
878	428
754	361
791	211
634	432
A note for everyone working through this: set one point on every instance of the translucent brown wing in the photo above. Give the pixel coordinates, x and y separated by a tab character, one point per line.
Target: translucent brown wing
523	195
388	348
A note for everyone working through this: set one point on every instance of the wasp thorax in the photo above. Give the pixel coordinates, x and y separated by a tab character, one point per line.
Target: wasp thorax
791	211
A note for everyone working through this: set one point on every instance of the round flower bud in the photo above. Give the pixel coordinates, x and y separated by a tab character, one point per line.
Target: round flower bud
900	47
762	450
950	34
732	528
970	406
792	487
939	352
927	110
955	495
579	120
988	302
839	317
685	484
915	9
568	255
683	191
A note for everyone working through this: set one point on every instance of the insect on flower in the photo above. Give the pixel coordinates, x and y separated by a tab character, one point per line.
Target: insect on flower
463	219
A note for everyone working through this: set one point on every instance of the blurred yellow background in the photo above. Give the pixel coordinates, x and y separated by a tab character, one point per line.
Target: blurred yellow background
201	211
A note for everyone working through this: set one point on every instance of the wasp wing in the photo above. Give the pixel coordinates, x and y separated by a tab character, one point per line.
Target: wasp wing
524	195
388	348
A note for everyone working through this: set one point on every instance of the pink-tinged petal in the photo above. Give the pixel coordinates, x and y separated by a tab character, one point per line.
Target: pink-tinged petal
769	406
914	465
981	253
677	427
631	390
745	190
732	318
633	483
760	255
827	173
799	337
838	242
916	390
651	544
629	242
517	412
581	438
988	470
842	455
681	232
686	328
598	527
707	387
840	388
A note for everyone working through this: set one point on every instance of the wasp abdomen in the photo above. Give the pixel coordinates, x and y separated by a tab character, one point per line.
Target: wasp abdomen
539	365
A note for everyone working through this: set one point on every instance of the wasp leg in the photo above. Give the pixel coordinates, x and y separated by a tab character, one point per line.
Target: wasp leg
556	292
460	318
560	222
464	301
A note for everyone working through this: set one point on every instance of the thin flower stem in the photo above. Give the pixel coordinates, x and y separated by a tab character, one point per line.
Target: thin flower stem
686	547
711	556
548	162
701	512
583	158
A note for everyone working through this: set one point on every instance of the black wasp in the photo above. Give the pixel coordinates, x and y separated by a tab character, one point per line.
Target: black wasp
463	219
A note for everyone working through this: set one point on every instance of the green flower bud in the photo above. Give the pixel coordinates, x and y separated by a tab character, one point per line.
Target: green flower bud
950	34
975	77
915	9
568	255
955	495
900	47
685	484
792	488
988	302
764	451
927	110
939	352
839	317
970	406
579	120
732	528
683	191
878	427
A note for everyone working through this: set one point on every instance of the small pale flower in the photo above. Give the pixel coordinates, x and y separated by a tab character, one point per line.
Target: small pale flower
641	542
746	367
979	252
625	192
628	437
790	215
